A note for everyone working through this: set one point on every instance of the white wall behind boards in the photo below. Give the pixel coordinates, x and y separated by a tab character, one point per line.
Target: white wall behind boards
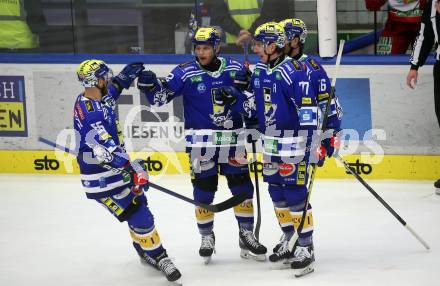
373	96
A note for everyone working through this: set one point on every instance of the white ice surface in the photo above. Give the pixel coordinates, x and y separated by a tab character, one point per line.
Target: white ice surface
52	235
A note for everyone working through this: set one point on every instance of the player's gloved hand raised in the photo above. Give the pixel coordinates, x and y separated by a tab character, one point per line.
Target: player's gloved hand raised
128	74
147	81
226	95
138	175
242	79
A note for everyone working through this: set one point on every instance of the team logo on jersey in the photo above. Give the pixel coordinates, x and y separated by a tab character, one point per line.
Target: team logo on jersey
269	108
89	106
197	78
278	76
232	74
249	106
201	87
286	169
257	83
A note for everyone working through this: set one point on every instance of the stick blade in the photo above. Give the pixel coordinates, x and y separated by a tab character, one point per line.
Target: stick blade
229	203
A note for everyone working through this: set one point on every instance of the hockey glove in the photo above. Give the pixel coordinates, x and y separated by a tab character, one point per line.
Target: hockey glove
226	95
330	144
320	153
147	81
128	74
242	78
138	176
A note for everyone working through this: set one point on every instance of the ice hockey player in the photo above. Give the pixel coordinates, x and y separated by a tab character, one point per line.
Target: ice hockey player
287	112
101	145
296	33
213	130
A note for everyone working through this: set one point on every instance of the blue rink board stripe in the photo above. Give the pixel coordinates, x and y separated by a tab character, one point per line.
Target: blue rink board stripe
176	59
354	97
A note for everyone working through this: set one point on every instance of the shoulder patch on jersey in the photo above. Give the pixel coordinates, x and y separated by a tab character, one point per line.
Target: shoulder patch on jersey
257	72
323	96
314	65
232	74
306	100
185	64
78	111
278	76
296	65
89	106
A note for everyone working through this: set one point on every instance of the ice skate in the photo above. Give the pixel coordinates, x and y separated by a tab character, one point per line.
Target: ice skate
282	257
207	248
281	250
144	258
168	268
303	260
250	246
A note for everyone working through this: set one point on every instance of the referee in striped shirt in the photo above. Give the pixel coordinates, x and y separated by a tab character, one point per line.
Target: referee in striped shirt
428	36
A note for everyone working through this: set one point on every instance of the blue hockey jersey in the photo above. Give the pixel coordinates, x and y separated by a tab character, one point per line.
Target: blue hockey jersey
100	140
286	109
322	84
207	124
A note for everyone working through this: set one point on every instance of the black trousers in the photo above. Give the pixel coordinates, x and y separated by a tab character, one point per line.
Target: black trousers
437	90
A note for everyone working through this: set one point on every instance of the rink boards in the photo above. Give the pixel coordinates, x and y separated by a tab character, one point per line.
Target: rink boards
37	95
408	167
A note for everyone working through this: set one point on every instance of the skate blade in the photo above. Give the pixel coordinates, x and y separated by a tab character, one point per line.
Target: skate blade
246	254
304	271
280	265
207	260
178	282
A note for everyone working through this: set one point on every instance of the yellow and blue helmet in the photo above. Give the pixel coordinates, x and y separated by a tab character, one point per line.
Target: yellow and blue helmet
207	36
295	28
270	32
89	71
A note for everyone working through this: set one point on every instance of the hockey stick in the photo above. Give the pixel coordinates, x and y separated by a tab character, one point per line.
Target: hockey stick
254	155
227	204
295	236
379	198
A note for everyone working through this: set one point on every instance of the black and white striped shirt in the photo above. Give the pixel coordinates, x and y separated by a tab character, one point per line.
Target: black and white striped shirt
428	36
